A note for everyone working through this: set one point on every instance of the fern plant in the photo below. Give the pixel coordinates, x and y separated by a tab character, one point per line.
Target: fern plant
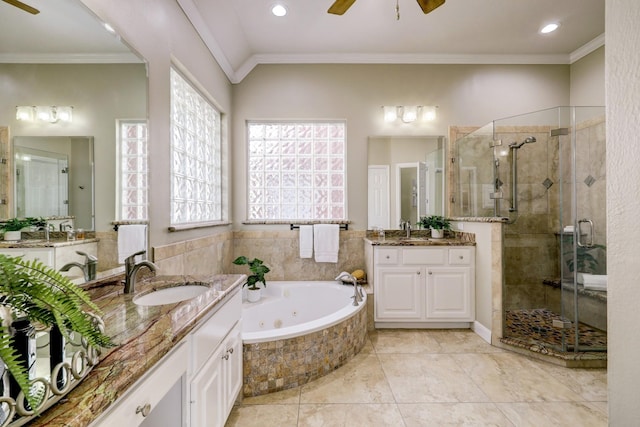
33	290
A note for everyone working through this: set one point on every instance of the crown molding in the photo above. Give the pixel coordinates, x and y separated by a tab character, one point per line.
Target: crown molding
254	60
63	58
193	15
586	49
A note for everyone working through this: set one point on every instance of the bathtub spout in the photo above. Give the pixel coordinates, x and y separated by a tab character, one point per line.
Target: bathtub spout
357	290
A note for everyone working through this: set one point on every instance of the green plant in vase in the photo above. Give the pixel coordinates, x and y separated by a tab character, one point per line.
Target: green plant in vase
33	291
436	223
258	270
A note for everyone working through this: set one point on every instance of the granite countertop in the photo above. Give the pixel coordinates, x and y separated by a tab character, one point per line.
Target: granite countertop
420	238
143	336
42	243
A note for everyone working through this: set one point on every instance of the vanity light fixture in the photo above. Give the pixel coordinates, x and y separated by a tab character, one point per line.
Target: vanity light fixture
279	10
409	113
45	113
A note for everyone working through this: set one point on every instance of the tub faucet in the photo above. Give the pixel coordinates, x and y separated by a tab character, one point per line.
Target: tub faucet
357	290
88	268
131	271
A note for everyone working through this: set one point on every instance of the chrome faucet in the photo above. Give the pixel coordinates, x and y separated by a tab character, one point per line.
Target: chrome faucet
131	271
88	268
64	225
408	228
357	290
46	228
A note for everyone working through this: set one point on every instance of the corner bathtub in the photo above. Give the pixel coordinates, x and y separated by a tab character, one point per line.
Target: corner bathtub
297	332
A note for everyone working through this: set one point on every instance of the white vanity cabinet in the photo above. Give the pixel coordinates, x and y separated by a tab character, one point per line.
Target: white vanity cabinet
196	384
215	377
142	401
424	286
56	256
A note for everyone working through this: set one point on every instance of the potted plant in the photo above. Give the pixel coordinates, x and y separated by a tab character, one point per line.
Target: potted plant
437	224
32	293
12	227
258	269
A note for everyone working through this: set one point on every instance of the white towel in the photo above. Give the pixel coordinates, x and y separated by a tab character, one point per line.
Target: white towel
326	242
132	238
306	241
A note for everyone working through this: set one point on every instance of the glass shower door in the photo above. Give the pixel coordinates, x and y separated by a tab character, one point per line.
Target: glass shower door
584	240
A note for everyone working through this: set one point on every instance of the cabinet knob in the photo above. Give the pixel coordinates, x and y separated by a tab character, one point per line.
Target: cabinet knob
461	257
418	273
144	410
388	257
430	273
226	357
230	350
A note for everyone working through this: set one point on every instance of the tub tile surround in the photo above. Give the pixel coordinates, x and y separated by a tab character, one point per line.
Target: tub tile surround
287	363
206	255
280	250
143	336
493	387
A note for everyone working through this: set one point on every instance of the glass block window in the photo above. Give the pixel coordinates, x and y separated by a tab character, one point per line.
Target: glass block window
133	170
297	170
196	173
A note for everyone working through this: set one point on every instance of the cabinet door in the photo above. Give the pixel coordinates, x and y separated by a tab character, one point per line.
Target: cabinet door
399	293
44	255
232	367
208	406
449	294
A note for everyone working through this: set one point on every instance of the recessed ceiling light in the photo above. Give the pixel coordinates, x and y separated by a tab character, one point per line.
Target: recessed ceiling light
549	28
279	10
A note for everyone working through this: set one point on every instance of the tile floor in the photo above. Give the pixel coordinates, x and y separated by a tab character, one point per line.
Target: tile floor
409	378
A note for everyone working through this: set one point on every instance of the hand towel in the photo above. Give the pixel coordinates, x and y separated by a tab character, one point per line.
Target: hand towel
306	241
326	242
132	238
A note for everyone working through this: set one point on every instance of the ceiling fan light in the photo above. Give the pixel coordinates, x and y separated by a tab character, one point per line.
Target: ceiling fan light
549	28
279	10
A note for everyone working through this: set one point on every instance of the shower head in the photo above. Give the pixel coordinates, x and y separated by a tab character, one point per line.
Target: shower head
528	140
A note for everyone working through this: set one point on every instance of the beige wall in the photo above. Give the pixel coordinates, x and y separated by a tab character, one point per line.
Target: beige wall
465	94
622	82
161	33
586	81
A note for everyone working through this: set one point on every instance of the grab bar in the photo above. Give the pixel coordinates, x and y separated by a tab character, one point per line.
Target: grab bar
591	232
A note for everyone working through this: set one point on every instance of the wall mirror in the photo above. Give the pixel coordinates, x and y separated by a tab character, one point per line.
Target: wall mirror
406	179
65	56
53	176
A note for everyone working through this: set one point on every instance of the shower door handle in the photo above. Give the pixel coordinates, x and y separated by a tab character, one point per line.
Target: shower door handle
588	244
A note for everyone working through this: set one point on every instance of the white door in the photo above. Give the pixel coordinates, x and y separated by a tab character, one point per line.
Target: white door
378	196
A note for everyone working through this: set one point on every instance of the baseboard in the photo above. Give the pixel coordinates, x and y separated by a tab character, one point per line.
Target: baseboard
482	331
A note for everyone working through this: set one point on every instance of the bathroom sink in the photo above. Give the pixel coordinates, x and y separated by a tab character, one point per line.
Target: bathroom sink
170	295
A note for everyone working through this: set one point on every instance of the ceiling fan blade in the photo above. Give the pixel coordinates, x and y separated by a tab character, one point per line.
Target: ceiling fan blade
22	6
339	7
429	5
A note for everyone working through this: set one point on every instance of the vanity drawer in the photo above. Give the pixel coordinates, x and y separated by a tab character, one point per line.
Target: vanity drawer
387	256
421	256
460	256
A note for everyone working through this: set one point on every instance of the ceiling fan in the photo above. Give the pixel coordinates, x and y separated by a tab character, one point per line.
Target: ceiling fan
22	6
339	7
